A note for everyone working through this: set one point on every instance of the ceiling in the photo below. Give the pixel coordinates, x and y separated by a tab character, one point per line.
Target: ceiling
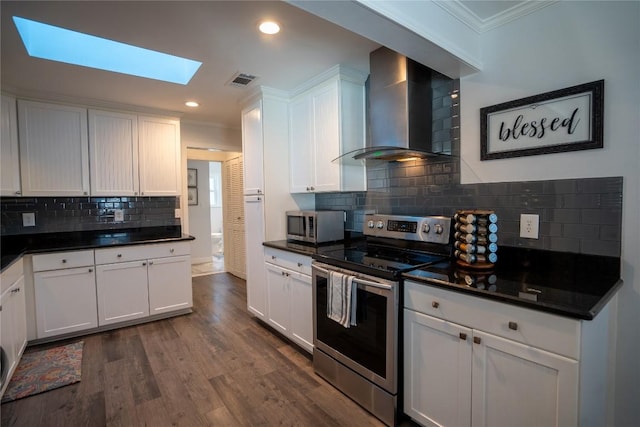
221	34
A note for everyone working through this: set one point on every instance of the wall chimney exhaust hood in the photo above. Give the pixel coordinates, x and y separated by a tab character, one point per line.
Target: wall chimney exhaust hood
399	116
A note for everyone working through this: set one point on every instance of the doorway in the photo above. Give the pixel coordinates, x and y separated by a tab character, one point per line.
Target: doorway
205	216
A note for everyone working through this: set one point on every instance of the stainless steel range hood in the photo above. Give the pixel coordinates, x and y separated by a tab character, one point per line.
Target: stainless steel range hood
399	110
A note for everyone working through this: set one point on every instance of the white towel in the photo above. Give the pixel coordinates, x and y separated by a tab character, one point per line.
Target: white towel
341	298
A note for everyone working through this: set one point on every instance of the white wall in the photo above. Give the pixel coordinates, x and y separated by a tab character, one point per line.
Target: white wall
562	45
200	215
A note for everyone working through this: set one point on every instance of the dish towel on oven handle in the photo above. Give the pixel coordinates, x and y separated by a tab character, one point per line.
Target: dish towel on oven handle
342	293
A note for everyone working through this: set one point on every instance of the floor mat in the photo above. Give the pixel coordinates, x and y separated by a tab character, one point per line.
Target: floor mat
45	370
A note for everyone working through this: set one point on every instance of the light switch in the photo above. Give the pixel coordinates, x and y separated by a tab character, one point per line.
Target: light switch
118	215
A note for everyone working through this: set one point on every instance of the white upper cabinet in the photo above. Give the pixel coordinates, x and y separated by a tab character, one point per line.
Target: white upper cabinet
326	121
253	149
113	153
159	156
10	172
54	151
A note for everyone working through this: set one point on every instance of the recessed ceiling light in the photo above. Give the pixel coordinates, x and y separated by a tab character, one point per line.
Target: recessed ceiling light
191	104
269	27
71	47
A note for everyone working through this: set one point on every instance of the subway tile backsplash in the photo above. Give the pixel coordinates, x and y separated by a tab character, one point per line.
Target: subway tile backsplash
60	214
576	215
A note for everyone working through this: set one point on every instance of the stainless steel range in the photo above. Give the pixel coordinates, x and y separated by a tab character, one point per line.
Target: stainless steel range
357	351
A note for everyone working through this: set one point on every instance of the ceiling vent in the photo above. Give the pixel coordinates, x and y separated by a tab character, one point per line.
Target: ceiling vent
241	80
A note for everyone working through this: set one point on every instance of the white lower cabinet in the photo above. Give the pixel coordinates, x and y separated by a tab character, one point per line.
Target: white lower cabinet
469	361
65	300
169	284
123	292
13	320
138	281
289	295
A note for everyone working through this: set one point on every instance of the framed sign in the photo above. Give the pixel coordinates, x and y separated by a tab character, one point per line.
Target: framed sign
563	120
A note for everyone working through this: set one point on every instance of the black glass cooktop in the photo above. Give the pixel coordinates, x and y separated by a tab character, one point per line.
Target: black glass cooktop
378	261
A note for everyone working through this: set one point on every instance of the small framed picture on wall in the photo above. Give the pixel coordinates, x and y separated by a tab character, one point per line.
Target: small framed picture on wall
192	177
192	196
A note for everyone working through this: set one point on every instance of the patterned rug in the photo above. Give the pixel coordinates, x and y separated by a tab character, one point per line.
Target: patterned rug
45	370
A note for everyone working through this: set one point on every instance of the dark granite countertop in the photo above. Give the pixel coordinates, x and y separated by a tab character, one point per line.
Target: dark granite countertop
567	284
13	247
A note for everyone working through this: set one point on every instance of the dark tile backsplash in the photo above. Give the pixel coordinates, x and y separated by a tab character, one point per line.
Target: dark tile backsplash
576	215
58	214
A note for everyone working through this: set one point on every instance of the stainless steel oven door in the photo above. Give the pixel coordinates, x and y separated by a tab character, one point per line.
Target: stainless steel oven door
370	346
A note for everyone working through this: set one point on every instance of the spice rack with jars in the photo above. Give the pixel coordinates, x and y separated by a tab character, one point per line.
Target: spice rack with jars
476	237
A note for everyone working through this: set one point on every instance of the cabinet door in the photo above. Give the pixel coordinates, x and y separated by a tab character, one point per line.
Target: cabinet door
437	371
326	144
65	301
301	159
7	340
278	300
159	156
169	284
19	317
10	171
122	292
113	150
301	310
54	151
516	384
234	237
253	149
254	236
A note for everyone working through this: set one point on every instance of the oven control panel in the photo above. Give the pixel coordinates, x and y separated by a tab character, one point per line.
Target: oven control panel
433	229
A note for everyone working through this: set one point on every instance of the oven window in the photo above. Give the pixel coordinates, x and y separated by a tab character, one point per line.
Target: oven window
296	225
365	343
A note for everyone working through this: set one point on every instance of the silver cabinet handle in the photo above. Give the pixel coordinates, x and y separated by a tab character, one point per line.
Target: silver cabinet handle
273	257
150	262
299	264
172	250
463	336
513	326
435	304
64	261
477	340
18	193
119	255
91	270
144	263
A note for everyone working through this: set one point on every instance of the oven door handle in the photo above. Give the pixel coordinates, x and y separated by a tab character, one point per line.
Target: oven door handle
359	280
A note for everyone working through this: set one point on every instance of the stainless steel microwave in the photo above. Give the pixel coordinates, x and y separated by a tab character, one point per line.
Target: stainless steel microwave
315	226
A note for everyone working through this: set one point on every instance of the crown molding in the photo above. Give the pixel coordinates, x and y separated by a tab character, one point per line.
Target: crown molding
457	9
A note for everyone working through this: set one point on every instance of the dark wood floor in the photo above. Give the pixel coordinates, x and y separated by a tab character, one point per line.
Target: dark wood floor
217	366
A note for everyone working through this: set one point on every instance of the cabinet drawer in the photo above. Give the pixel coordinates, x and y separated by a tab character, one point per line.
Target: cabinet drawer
60	260
289	260
543	330
140	252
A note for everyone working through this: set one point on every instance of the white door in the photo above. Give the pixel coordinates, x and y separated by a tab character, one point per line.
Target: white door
437	363
54	149
113	153
519	385
159	156
254	236
65	301
10	167
122	292
278	300
301	310
169	284
253	149
233	218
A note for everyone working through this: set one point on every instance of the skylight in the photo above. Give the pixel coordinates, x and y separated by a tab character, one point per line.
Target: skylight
71	47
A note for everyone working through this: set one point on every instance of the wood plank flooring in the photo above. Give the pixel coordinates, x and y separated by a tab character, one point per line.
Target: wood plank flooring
217	366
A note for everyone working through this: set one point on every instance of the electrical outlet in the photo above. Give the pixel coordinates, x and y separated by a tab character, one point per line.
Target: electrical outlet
529	225
176	213
118	215
29	219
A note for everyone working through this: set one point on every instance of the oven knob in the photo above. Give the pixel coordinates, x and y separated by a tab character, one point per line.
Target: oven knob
439	229
380	225
370	224
426	228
